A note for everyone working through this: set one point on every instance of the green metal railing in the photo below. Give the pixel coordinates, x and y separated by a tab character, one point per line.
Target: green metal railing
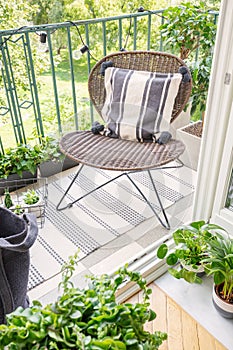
35	103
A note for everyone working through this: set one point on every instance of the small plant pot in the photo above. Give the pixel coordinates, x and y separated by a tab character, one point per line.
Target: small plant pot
68	163
199	270
18	209
36	209
50	168
224	308
192	145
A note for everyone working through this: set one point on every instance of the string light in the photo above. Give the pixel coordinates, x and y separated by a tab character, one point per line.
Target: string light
77	54
43	46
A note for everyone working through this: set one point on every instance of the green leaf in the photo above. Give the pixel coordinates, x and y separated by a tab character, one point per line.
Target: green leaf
219	277
171	259
76	314
131	342
162	251
36	318
152	315
175	273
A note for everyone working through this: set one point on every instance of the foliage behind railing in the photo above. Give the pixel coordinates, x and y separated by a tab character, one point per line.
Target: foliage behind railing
46	92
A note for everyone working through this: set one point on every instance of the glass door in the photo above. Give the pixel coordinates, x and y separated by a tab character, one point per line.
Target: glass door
229	199
214	191
222	213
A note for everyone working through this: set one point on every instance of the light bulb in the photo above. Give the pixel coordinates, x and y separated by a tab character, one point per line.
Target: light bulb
43	46
77	54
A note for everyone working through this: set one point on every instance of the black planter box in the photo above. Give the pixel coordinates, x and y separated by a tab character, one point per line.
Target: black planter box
14	181
68	163
50	167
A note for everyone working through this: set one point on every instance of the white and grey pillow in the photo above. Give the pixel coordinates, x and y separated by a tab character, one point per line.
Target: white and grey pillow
139	104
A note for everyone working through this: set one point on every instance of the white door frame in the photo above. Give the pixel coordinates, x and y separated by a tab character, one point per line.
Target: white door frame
216	149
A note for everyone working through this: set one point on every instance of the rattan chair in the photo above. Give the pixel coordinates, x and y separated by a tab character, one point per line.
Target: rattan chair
118	154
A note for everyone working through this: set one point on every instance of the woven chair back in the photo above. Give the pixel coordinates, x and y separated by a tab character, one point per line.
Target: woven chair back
144	61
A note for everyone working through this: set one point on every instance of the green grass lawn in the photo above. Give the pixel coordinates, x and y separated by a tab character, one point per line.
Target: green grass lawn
47	102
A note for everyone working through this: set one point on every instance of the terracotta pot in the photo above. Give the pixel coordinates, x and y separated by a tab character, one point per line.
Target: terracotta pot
223	307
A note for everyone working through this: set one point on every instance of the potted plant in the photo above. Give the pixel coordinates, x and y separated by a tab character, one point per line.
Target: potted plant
33	202
18	160
18	209
219	263
53	161
7	200
191	248
87	319
17	163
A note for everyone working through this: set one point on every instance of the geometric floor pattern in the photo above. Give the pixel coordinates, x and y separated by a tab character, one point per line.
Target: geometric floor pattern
101	216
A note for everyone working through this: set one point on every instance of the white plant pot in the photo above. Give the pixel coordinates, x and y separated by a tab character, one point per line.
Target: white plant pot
192	147
200	271
225	309
182	120
36	209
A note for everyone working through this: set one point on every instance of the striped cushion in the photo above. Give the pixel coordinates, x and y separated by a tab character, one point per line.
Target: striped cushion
138	104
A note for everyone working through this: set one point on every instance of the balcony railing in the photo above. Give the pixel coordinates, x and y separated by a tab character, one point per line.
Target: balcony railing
44	90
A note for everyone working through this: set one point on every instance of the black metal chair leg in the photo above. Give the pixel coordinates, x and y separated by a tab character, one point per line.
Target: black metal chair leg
167	225
164	224
69	205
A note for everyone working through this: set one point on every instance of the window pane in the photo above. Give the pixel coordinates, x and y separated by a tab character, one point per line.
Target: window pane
229	200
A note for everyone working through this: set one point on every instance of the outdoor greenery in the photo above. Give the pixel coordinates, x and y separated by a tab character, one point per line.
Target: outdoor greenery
16	14
88	318
190	31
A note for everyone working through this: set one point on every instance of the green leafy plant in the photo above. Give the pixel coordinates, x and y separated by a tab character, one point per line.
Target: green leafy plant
219	263
31	197
189	30
18	210
19	159
50	149
88	318
7	200
192	242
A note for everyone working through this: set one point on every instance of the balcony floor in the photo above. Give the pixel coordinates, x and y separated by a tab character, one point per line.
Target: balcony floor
108	227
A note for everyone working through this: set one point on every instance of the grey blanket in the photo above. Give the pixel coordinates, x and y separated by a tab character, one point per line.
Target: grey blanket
17	235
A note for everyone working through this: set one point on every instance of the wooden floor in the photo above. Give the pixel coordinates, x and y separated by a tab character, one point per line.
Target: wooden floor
184	333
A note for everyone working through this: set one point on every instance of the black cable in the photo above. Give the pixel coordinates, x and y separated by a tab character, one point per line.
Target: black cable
141	9
82	41
127	36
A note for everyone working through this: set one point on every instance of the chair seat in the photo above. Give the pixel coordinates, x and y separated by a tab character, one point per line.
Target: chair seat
116	154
